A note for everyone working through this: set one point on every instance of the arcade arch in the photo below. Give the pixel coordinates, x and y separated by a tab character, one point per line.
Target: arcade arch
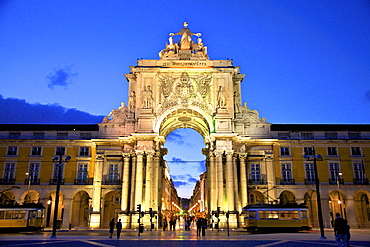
111	207
287	197
80	209
362	208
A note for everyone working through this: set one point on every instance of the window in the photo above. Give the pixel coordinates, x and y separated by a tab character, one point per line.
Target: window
334	171
286	171
356	151
38	135
331	135
255	172
82	171
113	172
56	171
84	151
14	135
354	135
62	135
36	151
60	151
309	151
34	171
12	150
332	151
284	151
307	135
310	171
283	136
9	171
359	173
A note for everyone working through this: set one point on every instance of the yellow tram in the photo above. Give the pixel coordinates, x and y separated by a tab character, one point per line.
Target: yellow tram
276	217
25	217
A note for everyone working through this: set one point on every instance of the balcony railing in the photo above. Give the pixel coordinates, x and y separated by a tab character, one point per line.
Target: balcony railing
361	181
310	181
86	181
112	182
287	181
7	181
55	181
256	181
335	181
33	181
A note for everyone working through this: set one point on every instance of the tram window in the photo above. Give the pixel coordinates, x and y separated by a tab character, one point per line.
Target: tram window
2	215
40	214
22	215
270	215
15	215
252	214
304	214
32	215
8	215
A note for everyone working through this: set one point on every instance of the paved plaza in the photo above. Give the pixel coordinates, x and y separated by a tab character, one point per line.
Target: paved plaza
238	237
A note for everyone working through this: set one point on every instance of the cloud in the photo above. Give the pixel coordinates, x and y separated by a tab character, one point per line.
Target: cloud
18	111
192	180
175	137
179	184
176	159
202	166
60	77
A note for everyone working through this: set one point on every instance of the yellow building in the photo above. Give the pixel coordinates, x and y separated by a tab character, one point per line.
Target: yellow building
118	164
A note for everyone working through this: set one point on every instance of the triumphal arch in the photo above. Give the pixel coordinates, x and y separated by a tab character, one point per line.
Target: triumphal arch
184	88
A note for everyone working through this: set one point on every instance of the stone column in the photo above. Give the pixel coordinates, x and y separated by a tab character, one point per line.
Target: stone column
237	204
212	183
220	179
229	180
350	212
325	209
133	183
139	178
270	174
67	212
96	195
243	180
125	182
148	179
156	180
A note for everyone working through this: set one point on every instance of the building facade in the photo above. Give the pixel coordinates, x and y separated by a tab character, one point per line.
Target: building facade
118	164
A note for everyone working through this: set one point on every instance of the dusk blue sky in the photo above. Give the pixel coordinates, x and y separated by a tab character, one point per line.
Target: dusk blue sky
305	61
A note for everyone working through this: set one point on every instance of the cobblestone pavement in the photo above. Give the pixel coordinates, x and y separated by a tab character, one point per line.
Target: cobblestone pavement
239	237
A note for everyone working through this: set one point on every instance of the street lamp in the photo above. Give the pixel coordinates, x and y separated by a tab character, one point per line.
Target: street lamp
28	187
339	201
314	158
59	163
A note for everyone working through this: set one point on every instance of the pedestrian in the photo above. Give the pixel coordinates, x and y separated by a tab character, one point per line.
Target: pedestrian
165	224
119	228
111	227
348	235
199	226
341	231
204	226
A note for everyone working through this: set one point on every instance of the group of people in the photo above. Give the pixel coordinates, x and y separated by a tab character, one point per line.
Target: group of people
201	226
171	222
118	226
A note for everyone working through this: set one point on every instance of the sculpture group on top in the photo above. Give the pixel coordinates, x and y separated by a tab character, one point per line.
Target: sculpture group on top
185	47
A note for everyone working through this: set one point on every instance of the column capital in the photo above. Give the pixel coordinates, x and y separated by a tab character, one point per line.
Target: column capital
218	153
229	152
126	155
242	155
139	152
150	153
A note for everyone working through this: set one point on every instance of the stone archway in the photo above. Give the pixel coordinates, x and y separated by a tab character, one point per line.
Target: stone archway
256	197
337	204
362	208
31	196
111	207
287	197
80	209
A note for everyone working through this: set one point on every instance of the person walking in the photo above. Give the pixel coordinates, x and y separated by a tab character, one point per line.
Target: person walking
199	226
165	224
111	227
204	226
341	231
119	228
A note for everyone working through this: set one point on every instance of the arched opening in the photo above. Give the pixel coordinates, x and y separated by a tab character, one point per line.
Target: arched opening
80	209
185	159
31	197
111	207
7	197
362	209
51	206
311	202
256	197
287	197
337	204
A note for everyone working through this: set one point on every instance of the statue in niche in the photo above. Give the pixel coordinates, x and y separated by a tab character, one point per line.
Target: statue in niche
236	102
147	98
185	41
221	99
132	102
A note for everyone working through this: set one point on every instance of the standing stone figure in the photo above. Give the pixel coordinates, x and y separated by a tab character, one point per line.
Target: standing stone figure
147	98
236	102
132	102
221	99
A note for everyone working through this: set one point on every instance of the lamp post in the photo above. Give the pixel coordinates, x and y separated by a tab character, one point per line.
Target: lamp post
314	158
339	200
28	187
58	162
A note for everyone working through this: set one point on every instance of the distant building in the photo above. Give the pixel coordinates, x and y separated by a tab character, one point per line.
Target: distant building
117	166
